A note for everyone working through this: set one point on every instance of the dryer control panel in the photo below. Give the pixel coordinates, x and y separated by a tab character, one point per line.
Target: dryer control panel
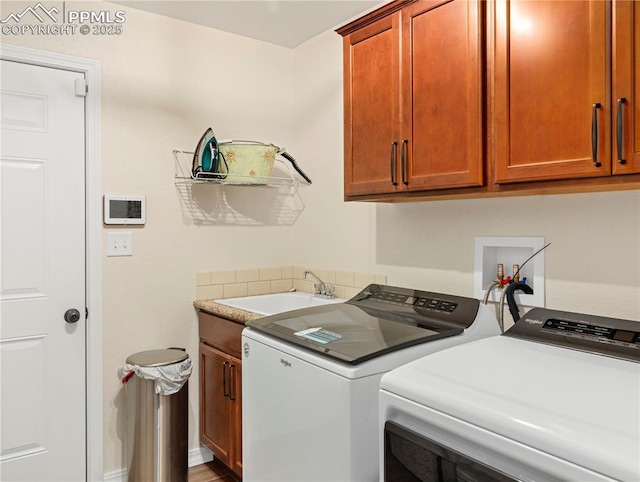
596	334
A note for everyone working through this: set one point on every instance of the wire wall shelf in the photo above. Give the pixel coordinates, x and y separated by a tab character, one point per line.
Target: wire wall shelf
279	202
281	175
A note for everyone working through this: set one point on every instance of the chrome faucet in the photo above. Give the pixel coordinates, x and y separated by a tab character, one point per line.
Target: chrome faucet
320	288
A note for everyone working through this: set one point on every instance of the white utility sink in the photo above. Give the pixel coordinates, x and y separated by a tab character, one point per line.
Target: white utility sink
278	302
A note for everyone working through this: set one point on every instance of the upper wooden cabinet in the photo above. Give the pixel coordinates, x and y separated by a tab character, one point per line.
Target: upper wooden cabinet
413	99
474	98
626	86
442	114
551	109
554	117
372	107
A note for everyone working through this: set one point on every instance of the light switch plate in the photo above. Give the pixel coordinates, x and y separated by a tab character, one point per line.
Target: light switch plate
119	243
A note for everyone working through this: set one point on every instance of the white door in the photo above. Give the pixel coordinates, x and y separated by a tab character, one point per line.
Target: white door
42	258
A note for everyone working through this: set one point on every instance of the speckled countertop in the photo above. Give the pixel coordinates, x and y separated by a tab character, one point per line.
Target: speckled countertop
210	306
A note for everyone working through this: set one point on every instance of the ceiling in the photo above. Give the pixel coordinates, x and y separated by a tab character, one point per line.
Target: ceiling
282	22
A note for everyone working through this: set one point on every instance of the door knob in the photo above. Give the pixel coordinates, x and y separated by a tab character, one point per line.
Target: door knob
71	315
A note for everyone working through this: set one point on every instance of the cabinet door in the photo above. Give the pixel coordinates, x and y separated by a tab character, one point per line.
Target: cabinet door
626	86
552	117
215	409
236	415
442	100
371	107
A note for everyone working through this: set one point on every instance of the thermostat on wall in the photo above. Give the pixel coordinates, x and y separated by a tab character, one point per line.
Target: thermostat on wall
124	210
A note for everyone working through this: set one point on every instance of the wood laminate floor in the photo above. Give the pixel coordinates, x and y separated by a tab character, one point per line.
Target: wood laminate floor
211	471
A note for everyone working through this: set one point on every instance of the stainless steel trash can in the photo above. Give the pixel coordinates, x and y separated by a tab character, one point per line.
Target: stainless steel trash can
157	425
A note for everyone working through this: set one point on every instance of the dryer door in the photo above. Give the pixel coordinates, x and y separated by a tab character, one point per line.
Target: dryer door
409	457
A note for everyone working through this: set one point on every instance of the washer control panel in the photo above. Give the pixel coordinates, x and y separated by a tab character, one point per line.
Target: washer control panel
418	304
394	297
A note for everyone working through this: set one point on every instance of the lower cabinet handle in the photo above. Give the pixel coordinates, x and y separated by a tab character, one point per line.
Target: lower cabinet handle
620	131
595	134
392	162
405	144
232	370
224	379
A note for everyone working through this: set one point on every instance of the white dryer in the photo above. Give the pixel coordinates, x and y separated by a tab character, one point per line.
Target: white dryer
311	378
556	398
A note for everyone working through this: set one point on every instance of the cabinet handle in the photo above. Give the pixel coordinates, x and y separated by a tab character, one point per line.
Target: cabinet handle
620	131
405	144
394	149
232	370
224	379
595	134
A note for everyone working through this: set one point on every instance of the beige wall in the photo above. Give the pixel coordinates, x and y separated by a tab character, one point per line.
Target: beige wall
165	81
592	265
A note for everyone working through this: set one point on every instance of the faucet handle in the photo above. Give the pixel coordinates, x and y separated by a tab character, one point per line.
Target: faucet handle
330	290
317	289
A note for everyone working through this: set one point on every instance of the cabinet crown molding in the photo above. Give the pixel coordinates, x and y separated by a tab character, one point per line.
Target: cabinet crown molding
373	16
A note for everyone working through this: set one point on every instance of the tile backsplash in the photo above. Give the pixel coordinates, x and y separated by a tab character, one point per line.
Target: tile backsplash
279	279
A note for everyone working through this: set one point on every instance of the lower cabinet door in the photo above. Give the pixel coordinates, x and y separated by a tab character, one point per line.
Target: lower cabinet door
221	406
215	409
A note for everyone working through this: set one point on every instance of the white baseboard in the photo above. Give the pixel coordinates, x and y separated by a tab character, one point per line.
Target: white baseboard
200	456
197	456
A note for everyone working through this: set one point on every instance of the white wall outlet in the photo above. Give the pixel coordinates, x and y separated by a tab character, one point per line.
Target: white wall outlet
506	250
119	243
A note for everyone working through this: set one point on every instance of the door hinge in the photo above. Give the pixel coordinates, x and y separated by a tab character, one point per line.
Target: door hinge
86	313
81	88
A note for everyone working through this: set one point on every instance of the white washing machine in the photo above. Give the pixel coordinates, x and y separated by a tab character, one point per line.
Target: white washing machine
311	378
556	398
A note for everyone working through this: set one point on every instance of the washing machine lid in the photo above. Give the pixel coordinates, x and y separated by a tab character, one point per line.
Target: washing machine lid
379	320
576	405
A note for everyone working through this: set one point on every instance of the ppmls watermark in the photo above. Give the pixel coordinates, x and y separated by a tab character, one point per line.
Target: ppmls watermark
57	20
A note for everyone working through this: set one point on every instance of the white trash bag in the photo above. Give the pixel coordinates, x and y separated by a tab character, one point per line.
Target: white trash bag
168	379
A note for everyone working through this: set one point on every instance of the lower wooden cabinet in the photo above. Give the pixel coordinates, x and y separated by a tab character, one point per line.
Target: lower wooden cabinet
221	389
